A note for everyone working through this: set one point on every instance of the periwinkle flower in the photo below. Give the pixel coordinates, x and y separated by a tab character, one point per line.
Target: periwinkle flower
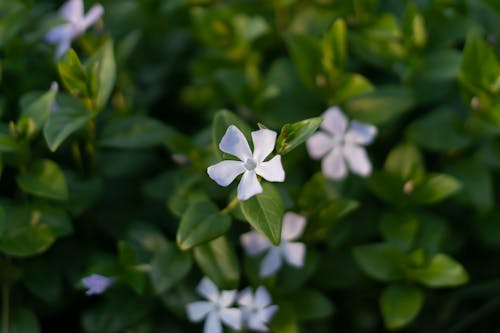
216	310
97	284
75	24
257	308
340	145
289	250
250	165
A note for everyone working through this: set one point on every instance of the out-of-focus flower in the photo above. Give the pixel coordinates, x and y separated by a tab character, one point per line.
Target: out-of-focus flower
96	284
216	309
75	24
288	250
250	165
257	308
341	142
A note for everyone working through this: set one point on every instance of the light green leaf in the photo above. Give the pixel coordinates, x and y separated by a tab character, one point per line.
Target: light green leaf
73	74
405	160
442	271
201	222
434	188
292	135
334	46
217	259
400	304
101	69
168	267
381	261
44	179
285	320
264	212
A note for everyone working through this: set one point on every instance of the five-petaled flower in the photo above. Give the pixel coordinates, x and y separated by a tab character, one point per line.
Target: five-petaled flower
96	284
75	24
216	310
292	252
250	165
338	144
256	308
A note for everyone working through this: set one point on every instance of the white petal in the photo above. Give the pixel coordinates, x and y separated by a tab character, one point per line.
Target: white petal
92	16
293	226
254	243
334	121
62	48
256	324
227	298
231	317
248	186
235	143
357	160
271	263
294	253
272	170
245	297
213	324
333	165
360	133
263	144
223	173
268	313
319	144
196	311
59	33
262	297
72	10
208	289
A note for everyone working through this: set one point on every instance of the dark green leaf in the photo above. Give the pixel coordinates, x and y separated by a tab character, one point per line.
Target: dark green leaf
405	160
38	109
399	229
23	321
201	222
292	135
311	304
3	221
264	212
44	179
400	304
381	261
306	54
169	267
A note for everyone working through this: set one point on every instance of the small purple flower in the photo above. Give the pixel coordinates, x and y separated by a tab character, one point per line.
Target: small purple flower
97	284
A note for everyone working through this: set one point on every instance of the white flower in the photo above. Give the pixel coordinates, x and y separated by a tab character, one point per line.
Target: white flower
75	25
96	284
257	308
250	165
292	252
338	144
216	309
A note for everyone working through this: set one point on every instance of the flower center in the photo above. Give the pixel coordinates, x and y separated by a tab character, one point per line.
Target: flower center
250	164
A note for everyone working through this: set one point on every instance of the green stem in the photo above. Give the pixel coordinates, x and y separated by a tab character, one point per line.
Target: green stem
230	206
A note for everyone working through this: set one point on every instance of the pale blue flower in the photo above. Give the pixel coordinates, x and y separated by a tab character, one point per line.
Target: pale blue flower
97	284
257	308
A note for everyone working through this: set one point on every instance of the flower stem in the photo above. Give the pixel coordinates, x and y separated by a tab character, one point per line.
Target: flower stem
230	206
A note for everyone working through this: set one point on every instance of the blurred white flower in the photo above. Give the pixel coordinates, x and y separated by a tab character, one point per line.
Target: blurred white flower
339	143
250	165
97	284
75	24
292	252
257	308
216	310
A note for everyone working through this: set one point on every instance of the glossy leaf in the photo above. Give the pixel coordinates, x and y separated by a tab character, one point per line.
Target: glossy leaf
442	271
102	73
292	135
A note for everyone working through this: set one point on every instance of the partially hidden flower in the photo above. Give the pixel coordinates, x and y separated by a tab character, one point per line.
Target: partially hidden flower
216	310
340	145
289	250
250	165
97	284
75	24
257	308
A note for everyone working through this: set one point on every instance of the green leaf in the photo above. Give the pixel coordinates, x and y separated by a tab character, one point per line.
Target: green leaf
414	28
39	108
350	85
405	160
126	254
292	135
285	320
168	267
23	320
73	74
200	223
381	261
218	261
311	304
69	117
381	105
264	212
334	46
434	188
136	132
442	271
305	52
44	179
8	144
399	229
222	120
400	304
102	72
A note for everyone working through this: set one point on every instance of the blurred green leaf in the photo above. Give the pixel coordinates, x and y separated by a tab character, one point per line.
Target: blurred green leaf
264	212
168	267
23	320
73	74
400	304
306	53
44	179
217	259
334	46
311	304
201	222
285	320
381	261
3	221
414	28
8	144
399	229
101	69
442	271
292	135
405	161
434	188
38	109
